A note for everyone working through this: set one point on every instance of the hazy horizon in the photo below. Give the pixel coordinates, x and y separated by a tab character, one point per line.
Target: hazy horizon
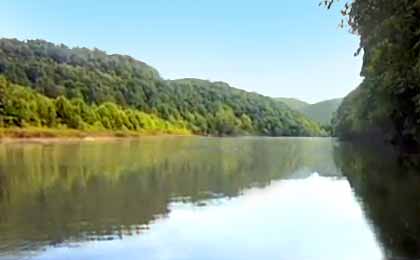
260	47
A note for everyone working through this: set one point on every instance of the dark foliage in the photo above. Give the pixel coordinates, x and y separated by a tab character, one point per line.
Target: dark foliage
387	103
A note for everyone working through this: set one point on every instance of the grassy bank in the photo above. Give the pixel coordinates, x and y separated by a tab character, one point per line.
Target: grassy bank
33	132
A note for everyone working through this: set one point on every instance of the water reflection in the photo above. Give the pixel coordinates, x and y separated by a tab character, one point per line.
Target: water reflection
388	188
58	193
270	223
204	198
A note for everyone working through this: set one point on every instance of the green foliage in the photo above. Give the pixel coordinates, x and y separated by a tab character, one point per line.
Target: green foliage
293	103
321	112
23	107
387	102
113	86
230	111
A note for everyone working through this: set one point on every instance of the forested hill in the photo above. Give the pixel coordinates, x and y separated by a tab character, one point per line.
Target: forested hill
321	112
293	103
95	78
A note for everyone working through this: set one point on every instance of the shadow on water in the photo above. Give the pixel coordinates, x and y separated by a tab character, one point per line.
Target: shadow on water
387	186
53	194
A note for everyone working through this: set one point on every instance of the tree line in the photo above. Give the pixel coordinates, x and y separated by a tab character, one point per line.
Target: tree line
387	103
97	79
23	107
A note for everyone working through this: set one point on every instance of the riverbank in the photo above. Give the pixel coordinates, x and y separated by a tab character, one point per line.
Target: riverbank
59	134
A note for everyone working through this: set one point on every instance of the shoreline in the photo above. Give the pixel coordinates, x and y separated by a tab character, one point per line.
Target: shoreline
55	135
68	135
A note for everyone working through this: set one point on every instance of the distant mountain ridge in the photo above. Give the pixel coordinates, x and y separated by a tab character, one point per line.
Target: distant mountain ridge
293	103
321	112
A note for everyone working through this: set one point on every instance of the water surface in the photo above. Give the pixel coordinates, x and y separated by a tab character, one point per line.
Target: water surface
206	198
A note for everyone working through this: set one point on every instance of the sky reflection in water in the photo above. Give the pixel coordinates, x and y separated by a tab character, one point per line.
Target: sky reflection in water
206	198
312	218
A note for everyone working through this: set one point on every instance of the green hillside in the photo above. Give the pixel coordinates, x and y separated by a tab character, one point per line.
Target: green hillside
293	103
25	108
96	78
321	112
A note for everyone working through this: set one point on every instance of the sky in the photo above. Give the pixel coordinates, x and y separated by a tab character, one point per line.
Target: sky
278	48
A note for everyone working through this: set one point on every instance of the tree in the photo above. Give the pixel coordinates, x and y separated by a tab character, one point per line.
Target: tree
388	99
91	77
67	114
3	85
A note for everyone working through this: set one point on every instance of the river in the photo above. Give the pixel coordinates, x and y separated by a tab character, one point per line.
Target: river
193	198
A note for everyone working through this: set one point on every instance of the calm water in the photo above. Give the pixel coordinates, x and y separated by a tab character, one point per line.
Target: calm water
205	198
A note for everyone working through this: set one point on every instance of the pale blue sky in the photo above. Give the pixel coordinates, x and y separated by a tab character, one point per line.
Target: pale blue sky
289	48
